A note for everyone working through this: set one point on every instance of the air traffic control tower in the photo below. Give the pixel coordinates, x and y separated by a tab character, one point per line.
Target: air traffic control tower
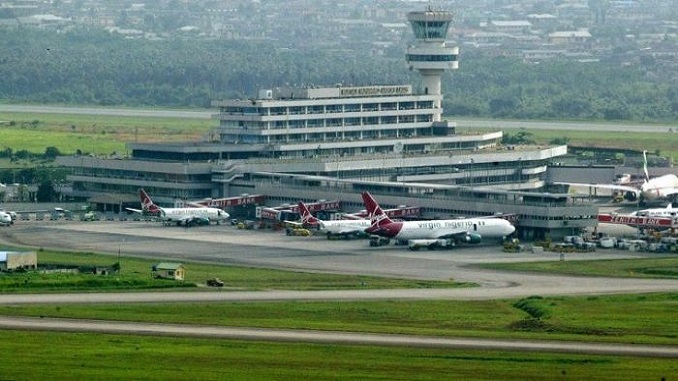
430	55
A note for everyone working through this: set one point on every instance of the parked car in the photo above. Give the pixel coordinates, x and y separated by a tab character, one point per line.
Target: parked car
215	282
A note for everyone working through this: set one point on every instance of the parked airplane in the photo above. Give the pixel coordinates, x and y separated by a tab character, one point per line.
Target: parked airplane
334	228
662	187
180	216
434	233
669	211
651	190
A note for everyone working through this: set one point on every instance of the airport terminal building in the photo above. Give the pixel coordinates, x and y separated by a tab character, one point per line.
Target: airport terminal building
333	142
325	144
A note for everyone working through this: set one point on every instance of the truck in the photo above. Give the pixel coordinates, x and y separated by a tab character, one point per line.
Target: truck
297	232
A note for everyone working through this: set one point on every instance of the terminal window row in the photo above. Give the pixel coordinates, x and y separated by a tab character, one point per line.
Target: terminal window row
327	109
330	122
329	136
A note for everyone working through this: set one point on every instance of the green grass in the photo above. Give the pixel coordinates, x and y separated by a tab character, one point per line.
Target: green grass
648	319
78	356
98	134
666	143
626	268
136	274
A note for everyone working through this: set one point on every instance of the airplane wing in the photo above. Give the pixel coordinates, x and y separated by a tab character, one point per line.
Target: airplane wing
461	235
350	230
457	233
624	188
135	210
193	221
293	223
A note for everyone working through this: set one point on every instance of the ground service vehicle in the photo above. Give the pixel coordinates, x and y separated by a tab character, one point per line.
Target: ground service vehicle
297	232
215	282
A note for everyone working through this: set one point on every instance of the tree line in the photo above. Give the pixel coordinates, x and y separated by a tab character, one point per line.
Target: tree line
89	67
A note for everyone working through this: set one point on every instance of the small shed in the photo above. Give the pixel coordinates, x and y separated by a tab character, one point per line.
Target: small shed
167	270
15	260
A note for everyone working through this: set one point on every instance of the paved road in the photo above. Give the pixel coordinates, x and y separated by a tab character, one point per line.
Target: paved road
37	109
575	126
227	245
461	123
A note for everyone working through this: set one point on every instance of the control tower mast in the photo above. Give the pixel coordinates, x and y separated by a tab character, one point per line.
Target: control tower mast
430	55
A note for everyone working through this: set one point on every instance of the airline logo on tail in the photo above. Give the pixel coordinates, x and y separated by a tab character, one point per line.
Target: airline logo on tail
378	219
147	204
306	216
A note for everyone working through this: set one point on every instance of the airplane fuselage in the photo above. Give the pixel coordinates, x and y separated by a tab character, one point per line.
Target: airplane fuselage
657	212
180	215
344	226
659	187
408	230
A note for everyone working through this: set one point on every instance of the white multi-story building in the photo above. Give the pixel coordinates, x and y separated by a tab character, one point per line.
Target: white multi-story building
344	121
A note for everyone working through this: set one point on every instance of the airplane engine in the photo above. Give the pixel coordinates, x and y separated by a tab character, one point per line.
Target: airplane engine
630	196
472	238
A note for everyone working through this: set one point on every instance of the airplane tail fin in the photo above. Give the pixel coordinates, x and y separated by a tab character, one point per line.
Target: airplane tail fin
377	215
147	204
306	216
647	175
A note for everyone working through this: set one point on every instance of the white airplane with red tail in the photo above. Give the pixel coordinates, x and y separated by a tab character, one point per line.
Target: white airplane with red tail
434	233
334	228
180	216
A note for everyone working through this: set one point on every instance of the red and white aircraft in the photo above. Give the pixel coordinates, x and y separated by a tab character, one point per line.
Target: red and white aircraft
334	228
434	233
180	216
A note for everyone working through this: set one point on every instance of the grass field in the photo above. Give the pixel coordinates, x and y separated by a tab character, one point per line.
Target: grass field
666	267
648	319
666	144
75	356
621	318
97	134
136	274
103	134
